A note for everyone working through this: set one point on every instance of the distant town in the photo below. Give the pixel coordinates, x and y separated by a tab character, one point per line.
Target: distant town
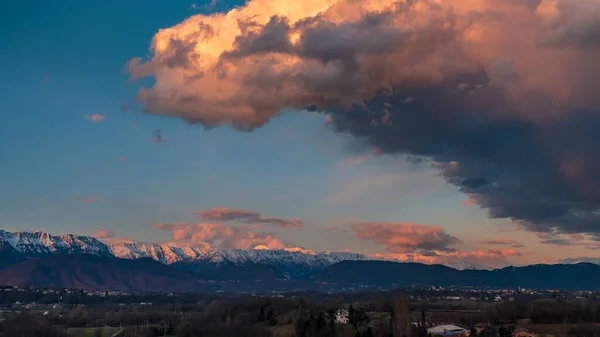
407	312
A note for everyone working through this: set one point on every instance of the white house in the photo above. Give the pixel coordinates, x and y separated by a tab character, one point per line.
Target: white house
447	330
342	316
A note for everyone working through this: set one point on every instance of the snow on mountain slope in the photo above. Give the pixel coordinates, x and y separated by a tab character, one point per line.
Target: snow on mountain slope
290	261
38	243
239	256
463	265
162	253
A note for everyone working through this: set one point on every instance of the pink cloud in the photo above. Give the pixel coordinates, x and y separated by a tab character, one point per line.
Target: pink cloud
542	44
494	258
242	215
403	237
104	234
470	201
95	118
215	235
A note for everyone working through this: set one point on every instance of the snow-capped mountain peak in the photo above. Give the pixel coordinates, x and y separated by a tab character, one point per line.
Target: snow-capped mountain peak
39	243
289	260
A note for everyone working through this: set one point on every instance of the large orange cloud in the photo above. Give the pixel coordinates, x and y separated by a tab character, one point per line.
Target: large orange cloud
404	237
214	235
244	66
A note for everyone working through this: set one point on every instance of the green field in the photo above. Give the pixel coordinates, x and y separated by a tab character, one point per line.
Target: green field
91	332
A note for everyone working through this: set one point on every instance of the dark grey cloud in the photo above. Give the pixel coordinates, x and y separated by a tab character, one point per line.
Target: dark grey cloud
544	175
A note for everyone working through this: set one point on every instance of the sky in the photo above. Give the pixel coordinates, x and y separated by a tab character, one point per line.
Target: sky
425	130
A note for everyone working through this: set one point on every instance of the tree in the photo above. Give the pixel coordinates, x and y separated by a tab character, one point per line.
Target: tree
361	316
170	328
321	322
502	331
401	324
489	331
351	315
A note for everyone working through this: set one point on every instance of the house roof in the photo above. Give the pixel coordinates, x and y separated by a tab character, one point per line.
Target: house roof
447	329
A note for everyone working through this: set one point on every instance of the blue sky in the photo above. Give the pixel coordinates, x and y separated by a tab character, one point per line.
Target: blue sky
64	60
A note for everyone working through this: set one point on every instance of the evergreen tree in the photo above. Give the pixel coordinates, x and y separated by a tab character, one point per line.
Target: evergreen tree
351	315
502	331
321	322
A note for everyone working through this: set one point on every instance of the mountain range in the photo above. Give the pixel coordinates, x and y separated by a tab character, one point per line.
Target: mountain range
42	260
291	262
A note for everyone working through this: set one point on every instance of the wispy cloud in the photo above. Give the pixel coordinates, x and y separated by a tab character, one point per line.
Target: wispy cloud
569	239
494	258
96	118
502	242
242	215
104	234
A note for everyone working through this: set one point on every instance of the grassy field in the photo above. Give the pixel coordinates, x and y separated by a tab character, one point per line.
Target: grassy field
91	332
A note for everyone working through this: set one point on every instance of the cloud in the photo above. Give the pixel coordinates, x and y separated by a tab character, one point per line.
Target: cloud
92	198
95	118
494	258
215	235
104	234
109	237
502	242
469	201
499	95
404	237
158	138
572	260
242	215
570	23
577	239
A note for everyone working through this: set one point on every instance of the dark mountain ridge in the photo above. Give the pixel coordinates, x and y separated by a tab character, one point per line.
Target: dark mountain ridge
98	273
388	274
107	273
